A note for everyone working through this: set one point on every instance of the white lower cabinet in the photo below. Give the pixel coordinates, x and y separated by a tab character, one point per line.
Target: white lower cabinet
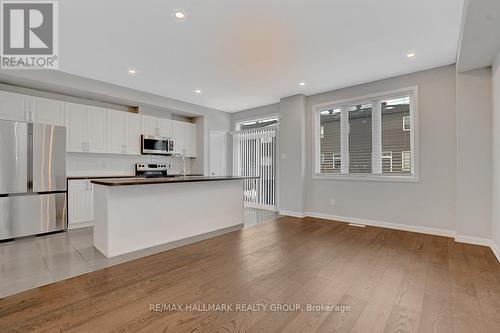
80	201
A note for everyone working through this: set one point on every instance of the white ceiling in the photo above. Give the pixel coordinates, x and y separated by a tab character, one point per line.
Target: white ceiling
249	53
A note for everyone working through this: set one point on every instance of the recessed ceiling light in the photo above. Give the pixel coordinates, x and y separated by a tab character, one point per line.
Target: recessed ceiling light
302	83
179	15
132	71
198	91
411	55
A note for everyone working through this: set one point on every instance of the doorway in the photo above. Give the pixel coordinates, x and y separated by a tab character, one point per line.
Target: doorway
254	154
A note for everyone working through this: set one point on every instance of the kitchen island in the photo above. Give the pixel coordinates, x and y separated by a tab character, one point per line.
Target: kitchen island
131	214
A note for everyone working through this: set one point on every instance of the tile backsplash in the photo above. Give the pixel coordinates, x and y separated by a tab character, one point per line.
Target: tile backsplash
78	164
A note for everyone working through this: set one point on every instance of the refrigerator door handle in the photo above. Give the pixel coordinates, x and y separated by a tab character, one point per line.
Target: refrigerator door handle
30	157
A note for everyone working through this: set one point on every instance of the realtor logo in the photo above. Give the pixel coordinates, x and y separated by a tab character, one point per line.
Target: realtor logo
29	34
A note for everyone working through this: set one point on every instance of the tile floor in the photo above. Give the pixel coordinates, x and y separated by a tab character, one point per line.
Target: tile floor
35	261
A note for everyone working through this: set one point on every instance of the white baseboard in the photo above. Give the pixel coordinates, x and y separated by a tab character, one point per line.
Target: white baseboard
496	250
80	225
382	224
292	214
473	240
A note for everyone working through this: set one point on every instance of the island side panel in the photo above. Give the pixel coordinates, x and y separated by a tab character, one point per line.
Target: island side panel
143	216
101	218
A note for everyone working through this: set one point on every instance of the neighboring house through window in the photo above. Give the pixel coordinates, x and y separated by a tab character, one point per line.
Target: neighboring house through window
372	136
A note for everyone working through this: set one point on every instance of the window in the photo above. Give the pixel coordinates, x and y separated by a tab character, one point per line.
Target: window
387	161
360	138
260	123
406	123
394	138
336	161
367	137
406	160
330	140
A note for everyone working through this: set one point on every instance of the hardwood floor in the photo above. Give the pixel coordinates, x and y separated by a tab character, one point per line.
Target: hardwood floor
394	281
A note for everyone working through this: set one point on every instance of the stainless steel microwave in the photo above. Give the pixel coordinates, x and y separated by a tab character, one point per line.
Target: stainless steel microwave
156	145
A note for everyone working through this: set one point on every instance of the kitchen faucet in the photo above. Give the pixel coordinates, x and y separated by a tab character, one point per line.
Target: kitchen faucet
183	171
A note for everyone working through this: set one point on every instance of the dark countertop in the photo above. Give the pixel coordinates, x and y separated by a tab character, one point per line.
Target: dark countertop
110	177
163	180
96	177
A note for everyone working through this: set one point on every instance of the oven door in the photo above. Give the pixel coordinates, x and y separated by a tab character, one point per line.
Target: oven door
155	145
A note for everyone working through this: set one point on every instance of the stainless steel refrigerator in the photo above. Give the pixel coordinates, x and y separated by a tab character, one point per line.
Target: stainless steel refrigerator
32	179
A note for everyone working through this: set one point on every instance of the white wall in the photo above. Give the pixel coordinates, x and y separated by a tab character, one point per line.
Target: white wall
474	162
84	164
428	203
496	154
292	150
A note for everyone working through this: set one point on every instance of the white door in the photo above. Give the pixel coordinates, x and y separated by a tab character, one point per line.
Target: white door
217	153
47	111
14	106
96	129
76	117
165	127
79	201
149	125
132	134
116	132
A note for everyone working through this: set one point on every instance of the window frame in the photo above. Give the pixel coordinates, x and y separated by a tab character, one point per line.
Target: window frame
375	98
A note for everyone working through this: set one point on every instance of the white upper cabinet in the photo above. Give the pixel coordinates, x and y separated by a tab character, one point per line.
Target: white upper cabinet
192	140
97	130
132	134
116	132
149	125
165	127
47	111
184	135
76	124
123	133
156	126
87	128
14	106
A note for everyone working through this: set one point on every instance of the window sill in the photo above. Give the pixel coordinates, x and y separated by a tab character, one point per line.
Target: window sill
370	178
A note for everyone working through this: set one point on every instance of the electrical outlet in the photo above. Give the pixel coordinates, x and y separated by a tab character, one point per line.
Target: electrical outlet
332	201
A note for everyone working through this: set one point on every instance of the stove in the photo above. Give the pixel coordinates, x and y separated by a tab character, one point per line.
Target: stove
151	170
